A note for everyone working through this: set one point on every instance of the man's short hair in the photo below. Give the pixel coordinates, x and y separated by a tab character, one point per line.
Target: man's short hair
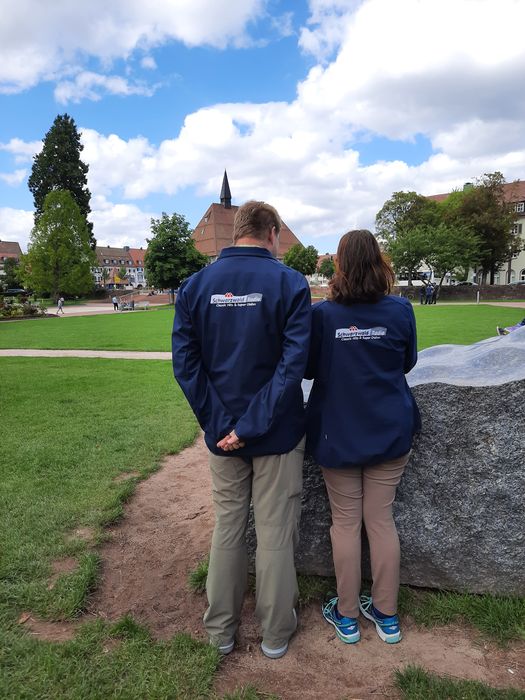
255	219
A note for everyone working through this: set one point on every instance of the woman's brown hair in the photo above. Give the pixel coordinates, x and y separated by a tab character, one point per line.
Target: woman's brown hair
362	273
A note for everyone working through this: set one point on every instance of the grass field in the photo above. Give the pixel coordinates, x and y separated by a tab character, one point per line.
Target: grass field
69	426
462	324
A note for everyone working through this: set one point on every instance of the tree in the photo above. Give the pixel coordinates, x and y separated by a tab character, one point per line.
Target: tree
121	275
327	268
485	211
11	277
105	275
171	254
302	259
407	250
450	248
60	258
58	167
404	211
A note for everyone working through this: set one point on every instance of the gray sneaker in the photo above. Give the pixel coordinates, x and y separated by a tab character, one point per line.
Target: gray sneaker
281	651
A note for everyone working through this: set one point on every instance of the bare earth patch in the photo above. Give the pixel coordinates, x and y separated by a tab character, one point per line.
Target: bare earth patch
125	476
49	631
166	532
59	567
87	534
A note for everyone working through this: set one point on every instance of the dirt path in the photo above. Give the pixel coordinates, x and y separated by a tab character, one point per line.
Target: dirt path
167	530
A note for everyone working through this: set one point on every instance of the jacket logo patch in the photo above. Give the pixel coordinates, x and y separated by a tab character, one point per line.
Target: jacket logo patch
355	333
229	299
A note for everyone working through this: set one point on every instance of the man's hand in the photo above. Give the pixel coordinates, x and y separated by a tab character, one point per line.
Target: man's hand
230	442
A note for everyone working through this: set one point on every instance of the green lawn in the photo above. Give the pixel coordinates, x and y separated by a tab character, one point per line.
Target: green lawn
68	428
150	330
140	330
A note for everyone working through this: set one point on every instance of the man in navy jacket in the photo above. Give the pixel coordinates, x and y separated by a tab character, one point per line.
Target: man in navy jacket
240	345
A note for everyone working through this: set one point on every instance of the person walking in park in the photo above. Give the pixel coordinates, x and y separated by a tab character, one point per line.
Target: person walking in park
115	303
240	345
60	305
361	418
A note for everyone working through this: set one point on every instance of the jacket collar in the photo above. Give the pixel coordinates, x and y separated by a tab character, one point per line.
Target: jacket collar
252	251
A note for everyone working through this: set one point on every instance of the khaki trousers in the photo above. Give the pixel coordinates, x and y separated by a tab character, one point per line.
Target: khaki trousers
365	494
274	483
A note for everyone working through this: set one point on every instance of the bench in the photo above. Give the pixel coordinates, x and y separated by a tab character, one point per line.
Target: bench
138	306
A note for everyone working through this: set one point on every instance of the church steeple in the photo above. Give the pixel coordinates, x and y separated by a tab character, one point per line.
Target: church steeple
226	195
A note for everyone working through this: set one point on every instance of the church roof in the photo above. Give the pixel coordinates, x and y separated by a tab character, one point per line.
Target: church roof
215	229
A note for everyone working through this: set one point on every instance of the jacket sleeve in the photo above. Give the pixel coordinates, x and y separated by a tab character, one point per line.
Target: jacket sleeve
411	351
315	344
272	401
191	375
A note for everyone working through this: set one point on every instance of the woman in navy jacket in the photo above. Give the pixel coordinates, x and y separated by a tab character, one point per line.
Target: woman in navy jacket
361	419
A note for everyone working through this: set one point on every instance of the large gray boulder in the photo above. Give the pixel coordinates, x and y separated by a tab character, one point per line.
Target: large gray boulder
460	507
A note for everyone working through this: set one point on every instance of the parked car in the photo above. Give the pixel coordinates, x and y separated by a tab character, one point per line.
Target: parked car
15	292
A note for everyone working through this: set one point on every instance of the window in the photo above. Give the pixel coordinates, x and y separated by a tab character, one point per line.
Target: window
522	276
517	229
113	261
107	262
519	207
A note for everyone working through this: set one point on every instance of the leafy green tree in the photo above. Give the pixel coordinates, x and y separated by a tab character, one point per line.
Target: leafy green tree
58	167
302	259
450	248
484	210
402	212
407	250
105	275
60	258
327	268
171	255
122	273
11	277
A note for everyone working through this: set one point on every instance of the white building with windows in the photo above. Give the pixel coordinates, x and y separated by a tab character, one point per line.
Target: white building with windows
119	268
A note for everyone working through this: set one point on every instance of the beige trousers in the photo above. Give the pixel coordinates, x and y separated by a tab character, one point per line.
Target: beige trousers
365	494
274	483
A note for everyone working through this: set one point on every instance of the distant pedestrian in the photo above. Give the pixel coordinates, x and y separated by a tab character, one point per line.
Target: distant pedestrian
421	293
434	294
60	305
115	303
428	293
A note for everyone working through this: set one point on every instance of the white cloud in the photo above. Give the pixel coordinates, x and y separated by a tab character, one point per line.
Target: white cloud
15	178
16	225
92	86
40	40
23	151
148	62
120	224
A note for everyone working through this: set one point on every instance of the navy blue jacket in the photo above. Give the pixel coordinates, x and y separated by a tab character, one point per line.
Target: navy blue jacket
361	410
240	345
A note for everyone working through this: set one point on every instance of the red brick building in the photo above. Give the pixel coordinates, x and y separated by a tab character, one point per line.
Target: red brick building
215	230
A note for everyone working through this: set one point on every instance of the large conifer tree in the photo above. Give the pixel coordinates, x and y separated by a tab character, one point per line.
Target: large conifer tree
58	166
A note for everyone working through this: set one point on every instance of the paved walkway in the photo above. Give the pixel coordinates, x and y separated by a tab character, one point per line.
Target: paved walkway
106	354
94	309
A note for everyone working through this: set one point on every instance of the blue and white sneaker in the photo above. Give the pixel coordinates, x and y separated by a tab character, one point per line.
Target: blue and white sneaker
346	628
386	627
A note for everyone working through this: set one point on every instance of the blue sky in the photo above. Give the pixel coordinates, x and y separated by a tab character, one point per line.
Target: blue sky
323	108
